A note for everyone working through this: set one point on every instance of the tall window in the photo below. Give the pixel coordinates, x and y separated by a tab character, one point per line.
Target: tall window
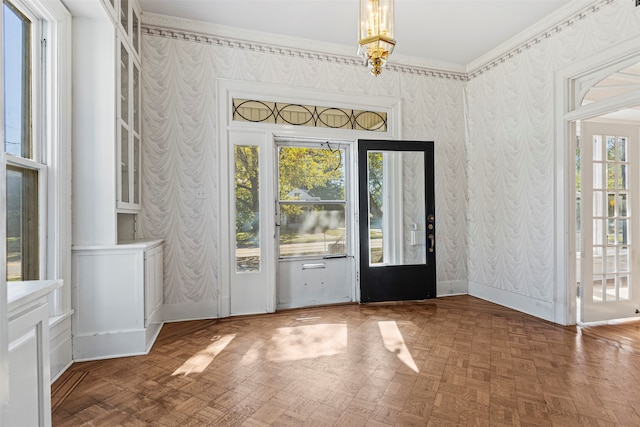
25	170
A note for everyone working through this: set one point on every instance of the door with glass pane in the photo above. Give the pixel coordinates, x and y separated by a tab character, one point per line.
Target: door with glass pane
397	220
609	189
251	225
313	223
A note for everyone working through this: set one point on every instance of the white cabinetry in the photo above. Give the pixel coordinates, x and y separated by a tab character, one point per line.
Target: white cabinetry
106	121
117	292
29	372
116	286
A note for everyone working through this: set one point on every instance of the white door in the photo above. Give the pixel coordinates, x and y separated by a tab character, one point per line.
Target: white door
314	223
609	246
250	224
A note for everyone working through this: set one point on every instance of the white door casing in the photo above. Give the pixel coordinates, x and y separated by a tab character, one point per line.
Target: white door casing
571	84
244	293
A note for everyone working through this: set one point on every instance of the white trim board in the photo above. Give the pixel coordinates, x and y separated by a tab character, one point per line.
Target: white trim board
525	304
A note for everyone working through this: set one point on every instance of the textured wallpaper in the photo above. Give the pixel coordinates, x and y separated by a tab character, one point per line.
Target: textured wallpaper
494	147
511	153
180	147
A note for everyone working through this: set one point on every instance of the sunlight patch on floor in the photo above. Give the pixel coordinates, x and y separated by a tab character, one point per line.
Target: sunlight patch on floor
394	342
306	342
199	361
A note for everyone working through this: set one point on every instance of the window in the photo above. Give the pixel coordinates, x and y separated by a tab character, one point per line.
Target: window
25	170
245	110
312	201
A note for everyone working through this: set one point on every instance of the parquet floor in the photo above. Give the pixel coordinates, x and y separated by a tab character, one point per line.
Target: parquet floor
451	361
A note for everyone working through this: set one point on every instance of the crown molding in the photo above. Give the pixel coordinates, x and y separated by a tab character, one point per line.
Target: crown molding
221	35
555	23
238	38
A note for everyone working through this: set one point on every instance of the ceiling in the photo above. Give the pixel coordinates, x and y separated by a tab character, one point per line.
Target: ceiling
448	31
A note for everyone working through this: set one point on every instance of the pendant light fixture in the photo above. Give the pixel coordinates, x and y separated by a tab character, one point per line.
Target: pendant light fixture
376	33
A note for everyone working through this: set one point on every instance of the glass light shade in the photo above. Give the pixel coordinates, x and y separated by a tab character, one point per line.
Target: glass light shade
376	40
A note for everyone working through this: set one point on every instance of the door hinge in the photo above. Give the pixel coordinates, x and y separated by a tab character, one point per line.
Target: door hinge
579	291
44	43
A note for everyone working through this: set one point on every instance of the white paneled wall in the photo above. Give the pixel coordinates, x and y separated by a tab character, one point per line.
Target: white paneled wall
180	149
511	160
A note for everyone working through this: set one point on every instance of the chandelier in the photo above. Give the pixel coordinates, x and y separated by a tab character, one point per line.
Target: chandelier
376	33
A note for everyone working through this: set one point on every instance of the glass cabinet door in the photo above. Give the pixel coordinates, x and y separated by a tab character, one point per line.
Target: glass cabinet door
135	30
124	15
128	192
124	165
128	106
124	84
136	170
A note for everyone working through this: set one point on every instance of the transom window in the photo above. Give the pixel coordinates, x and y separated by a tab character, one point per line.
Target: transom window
245	110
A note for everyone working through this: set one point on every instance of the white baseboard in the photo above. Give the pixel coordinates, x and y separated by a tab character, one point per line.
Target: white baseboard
152	331
311	303
114	344
60	347
190	311
452	287
525	304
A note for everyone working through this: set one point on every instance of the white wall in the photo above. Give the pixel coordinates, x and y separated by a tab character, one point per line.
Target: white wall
180	145
511	231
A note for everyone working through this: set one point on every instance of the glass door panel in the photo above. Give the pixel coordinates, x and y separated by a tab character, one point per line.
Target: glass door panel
397	223
247	201
609	267
311	203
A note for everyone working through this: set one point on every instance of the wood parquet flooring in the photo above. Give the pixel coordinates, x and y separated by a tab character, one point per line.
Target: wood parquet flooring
445	362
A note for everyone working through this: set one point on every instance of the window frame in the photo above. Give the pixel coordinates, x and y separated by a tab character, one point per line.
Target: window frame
37	135
51	46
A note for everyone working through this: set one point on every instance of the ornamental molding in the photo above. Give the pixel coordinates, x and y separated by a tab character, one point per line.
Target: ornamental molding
254	41
545	29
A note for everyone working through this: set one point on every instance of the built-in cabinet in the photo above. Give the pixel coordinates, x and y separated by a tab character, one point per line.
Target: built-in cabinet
107	158
29	373
117	279
118	294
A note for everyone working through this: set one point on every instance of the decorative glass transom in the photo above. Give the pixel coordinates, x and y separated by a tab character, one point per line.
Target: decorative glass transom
245	110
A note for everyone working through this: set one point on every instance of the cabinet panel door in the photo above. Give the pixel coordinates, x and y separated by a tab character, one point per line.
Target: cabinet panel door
129	149
29	377
153	277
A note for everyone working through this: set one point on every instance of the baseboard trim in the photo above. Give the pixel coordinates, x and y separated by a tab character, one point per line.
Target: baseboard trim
114	344
60	346
190	311
534	307
452	287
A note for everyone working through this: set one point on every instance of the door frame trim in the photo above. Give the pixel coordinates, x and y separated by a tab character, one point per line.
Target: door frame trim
350	147
565	89
226	90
